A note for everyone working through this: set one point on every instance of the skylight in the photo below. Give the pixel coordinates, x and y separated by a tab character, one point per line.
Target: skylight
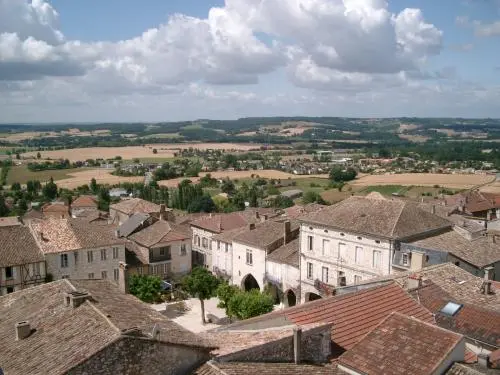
451	308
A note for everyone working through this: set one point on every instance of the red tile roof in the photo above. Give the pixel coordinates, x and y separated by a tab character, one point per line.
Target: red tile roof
401	345
55	207
222	222
84	201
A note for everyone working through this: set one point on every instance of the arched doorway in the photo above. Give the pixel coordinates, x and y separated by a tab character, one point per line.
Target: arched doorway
274	292
312	297
249	283
290	298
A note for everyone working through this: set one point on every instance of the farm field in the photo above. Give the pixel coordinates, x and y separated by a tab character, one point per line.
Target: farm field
493	188
22	174
304	184
102	176
454	181
165	150
386	189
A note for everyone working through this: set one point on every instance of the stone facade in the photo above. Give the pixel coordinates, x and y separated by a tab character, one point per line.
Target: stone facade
103	263
20	277
285	276
202	243
222	258
134	355
242	267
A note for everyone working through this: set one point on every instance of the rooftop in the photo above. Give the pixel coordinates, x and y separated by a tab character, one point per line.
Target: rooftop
78	332
9	221
133	205
160	232
84	201
287	254
222	222
130	225
55	207
59	235
378	216
296	211
401	345
353	315
265	235
480	252
17	246
259	368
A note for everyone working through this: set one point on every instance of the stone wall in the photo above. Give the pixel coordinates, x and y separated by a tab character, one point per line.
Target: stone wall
315	348
142	356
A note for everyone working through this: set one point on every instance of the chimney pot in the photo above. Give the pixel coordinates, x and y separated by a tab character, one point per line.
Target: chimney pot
297	338
23	330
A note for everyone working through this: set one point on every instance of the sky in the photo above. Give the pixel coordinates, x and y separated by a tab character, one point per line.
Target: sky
170	60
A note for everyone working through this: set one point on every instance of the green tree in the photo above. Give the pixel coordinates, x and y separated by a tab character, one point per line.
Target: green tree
38	155
23	205
50	190
200	283
4	210
93	186
145	287
225	292
282	202
155	151
312	197
245	305
16	186
202	204
103	199
338	174
228	186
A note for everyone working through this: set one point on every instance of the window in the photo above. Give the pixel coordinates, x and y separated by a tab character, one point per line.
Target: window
162	251
91	275
357	279
104	275
9	272
116	252
183	249
90	256
218	245
75	254
64	260
325	247
140	270
324	274
116	274
451	308
166	268
10	289
103	254
309	243
309	271
198	240
205	243
37	268
227	247
376	258
358	255
249	257
342	250
404	258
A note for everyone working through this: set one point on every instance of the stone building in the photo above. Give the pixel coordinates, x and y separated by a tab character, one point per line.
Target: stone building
121	211
77	249
358	239
22	264
56	210
90	327
83	203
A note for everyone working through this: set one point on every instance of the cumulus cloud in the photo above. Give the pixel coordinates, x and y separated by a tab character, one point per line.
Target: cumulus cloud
487	29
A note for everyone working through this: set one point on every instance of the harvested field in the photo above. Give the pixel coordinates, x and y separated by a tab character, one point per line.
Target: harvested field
165	150
16	137
102	176
454	181
266	173
414	138
22	174
493	188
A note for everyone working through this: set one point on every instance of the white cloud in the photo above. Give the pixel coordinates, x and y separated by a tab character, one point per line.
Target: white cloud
487	29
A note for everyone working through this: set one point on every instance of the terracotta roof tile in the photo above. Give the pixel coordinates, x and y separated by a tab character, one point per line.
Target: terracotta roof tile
377	216
160	232
84	201
133	205
221	222
55	207
266	234
401	345
254	368
287	254
17	246
9	221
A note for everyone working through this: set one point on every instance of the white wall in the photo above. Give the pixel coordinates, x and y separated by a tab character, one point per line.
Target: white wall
36	276
222	256
241	268
287	275
203	234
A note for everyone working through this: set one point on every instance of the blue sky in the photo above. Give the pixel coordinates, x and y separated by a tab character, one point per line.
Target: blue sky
159	60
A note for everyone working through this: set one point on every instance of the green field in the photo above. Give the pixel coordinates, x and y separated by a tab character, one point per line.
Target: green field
162	136
304	184
22	174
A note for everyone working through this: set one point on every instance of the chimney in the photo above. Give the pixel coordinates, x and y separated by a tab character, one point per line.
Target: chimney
75	299
123	277
251	226
263	218
414	281
297	337
23	330
287	231
433	209
162	212
488	273
257	215
483	360
417	261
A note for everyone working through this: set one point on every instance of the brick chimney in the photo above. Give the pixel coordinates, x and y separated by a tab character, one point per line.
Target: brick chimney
23	330
433	209
417	260
414	281
75	299
263	218
287	231
257	215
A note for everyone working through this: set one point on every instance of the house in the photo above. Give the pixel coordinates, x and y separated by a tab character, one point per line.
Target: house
121	211
477	204
162	249
77	249
404	345
251	249
91	327
83	203
118	193
359	238
296	211
292	194
22	264
32	214
10	221
56	210
222	252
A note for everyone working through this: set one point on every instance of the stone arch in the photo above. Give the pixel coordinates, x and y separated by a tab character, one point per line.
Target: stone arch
289	298
312	297
249	282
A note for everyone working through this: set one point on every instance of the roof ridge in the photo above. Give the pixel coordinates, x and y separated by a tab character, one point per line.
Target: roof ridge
403	206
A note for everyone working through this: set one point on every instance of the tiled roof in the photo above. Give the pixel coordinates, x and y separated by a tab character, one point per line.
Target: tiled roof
287	254
377	216
133	205
222	222
296	211
9	221
133	223
84	201
259	368
17	246
160	232
479	252
401	345
55	207
471	320
58	235
353	315
32	214
136	255
461	369
64	336
264	235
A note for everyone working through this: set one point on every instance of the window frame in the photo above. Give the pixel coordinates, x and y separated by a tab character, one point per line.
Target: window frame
249	257
309	271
